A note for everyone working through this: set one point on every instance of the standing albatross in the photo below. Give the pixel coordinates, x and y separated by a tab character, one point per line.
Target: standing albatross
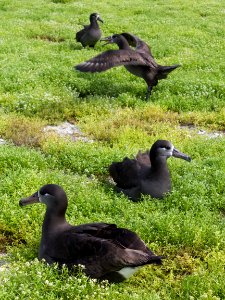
106	251
90	34
138	61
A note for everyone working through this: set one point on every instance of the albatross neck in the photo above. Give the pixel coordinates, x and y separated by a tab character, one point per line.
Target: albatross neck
123	43
94	23
54	219
159	165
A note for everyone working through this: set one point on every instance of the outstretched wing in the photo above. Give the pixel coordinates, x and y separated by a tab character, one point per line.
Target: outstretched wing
110	59
134	41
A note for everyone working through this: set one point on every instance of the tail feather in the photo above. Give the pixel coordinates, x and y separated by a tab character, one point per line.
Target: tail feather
163	71
155	260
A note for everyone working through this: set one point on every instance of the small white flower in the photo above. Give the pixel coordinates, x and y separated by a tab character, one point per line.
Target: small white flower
48	283
81	266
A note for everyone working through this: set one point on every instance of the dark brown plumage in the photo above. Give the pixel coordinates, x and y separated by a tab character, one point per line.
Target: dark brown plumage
138	61
147	173
106	251
90	34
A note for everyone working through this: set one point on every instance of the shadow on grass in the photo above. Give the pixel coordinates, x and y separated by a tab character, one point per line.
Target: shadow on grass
9	238
95	84
49	38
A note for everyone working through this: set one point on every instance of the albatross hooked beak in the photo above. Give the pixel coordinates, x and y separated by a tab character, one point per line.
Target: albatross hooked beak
29	200
108	40
99	19
178	154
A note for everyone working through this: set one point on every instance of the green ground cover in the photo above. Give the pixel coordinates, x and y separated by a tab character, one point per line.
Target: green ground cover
39	87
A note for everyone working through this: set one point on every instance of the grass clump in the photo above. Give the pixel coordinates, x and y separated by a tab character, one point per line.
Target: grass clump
8	238
21	130
50	283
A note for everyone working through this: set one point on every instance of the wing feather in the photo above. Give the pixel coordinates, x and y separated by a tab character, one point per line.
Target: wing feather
102	253
125	173
134	41
143	158
110	59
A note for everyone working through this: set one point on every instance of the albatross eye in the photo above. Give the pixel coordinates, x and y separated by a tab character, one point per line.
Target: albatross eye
165	148
43	194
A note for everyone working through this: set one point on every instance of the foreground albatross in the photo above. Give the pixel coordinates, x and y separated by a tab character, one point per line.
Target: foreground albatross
106	251
138	61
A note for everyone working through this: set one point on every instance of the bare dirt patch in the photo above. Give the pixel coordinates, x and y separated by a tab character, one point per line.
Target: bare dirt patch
2	142
67	129
209	134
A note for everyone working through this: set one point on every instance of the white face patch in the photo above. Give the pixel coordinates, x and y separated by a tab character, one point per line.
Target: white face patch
41	197
169	152
128	271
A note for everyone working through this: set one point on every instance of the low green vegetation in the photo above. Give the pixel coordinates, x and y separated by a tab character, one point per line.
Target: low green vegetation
40	87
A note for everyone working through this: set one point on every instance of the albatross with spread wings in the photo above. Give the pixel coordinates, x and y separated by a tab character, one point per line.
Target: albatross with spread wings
138	61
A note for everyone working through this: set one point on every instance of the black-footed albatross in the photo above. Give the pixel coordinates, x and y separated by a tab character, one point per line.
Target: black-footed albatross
106	251
138	61
90	34
147	173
